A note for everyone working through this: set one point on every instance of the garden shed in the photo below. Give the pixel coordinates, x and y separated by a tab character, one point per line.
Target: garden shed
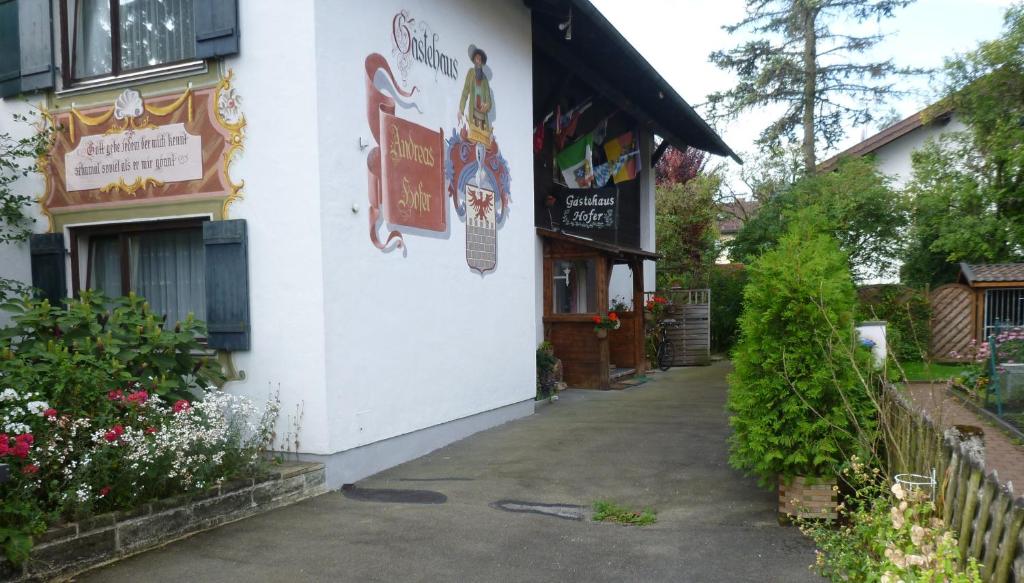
998	295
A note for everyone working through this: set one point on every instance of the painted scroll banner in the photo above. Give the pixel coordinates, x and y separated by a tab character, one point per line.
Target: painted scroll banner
406	184
163	154
412	182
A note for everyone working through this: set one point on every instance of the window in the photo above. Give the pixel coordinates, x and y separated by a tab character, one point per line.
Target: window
163	262
105	38
575	287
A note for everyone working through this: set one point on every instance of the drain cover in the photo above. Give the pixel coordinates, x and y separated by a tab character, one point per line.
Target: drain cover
394	496
564	511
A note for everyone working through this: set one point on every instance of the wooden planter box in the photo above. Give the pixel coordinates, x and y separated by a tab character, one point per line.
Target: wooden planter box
801	499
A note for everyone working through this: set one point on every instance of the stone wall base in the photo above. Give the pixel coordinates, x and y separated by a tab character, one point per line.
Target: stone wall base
67	549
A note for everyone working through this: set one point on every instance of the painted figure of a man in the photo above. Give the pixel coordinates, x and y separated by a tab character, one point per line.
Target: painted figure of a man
476	93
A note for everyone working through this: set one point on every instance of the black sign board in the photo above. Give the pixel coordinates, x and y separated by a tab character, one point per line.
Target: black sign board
586	211
4	474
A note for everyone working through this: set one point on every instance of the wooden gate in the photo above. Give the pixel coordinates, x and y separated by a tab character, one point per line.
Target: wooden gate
953	321
691	338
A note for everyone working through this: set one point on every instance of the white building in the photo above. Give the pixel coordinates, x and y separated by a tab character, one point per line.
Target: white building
303	176
894	146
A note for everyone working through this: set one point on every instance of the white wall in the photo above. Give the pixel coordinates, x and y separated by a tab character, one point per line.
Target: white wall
418	339
14	257
275	74
894	159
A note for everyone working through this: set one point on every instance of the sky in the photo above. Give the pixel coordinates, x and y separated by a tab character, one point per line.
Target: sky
676	37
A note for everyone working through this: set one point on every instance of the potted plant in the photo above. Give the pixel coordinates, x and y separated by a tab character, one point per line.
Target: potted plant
655	308
606	322
797	408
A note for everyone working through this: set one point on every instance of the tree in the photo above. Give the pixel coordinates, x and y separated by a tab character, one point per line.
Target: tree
799	61
856	204
679	166
685	219
968	187
796	406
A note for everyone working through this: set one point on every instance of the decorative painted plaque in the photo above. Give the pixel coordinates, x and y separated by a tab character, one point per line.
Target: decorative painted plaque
137	150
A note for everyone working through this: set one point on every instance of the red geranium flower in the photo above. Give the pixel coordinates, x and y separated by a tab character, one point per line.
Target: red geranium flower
181	405
597	319
50	413
613	316
5	444
151	430
138	397
116	395
104	491
30	469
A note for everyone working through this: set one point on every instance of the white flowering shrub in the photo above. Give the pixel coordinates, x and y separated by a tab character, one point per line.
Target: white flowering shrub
886	534
140	448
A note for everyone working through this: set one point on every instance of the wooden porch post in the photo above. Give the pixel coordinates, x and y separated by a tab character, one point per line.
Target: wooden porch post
637	269
603	277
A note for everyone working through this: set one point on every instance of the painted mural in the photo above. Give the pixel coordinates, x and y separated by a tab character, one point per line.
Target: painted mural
413	169
139	150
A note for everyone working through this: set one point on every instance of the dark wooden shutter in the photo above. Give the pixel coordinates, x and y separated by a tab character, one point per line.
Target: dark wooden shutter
227	284
48	266
36	30
10	49
216	24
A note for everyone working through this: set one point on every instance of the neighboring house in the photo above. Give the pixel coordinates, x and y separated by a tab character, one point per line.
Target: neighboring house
894	146
368	207
731	218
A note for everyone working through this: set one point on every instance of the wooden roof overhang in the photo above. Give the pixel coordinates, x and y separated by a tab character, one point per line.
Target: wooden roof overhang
596	52
618	253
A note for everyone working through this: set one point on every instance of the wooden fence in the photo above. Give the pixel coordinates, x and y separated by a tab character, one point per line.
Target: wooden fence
691	337
980	510
953	320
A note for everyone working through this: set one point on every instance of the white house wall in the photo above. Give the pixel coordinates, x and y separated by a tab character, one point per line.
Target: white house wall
895	158
414	338
277	81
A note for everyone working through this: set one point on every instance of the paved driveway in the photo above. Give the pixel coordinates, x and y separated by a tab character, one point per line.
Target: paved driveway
659	445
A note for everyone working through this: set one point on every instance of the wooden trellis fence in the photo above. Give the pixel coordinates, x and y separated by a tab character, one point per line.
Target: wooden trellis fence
982	511
953	320
691	337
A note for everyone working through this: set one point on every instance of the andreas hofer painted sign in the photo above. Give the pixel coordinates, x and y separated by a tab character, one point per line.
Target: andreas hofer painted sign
413	170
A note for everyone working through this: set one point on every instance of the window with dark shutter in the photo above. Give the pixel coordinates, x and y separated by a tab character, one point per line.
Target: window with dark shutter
10	50
48	266
26	47
216	23
227	284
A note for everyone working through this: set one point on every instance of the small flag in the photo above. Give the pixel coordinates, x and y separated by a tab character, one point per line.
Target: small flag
624	145
576	163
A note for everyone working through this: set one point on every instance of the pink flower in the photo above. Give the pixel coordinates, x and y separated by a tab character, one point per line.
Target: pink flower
151	430
5	444
30	469
50	413
138	397
181	405
114	433
116	395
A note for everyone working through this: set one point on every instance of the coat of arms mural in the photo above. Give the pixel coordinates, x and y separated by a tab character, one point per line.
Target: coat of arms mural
413	169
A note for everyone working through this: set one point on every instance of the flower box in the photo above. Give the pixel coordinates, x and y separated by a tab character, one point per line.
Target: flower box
808	498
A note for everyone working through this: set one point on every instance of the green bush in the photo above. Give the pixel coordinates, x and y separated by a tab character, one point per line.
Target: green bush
797	408
907	312
726	285
95	343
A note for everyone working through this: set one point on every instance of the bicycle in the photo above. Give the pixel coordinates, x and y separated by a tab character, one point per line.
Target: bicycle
665	347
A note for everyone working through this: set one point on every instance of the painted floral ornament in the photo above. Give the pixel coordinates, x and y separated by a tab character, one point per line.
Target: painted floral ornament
229	106
128	104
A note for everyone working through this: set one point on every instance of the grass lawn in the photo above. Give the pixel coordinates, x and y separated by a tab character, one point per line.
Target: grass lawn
932	371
